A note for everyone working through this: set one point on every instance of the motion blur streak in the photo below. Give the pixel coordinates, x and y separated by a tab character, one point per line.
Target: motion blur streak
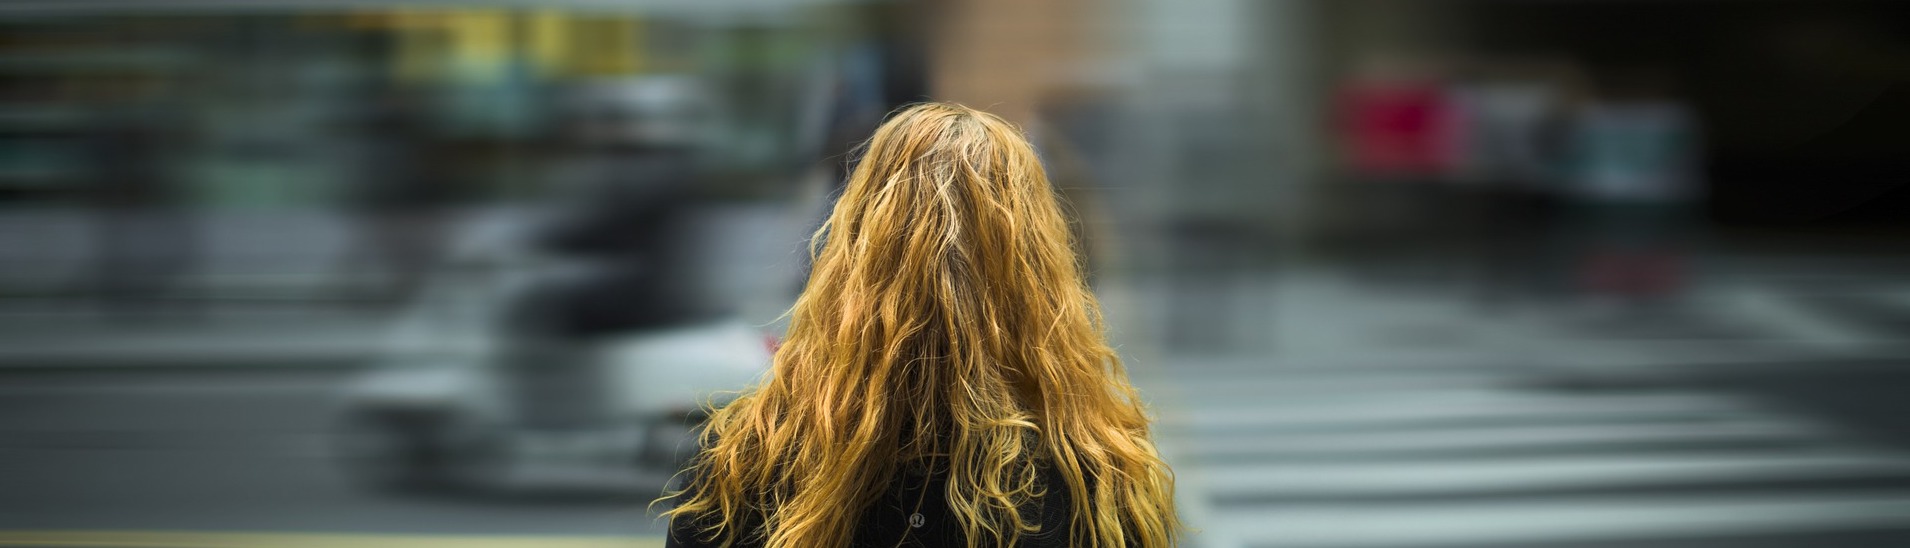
174	539
1391	273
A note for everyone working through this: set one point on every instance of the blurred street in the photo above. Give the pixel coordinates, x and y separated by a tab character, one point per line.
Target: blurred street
202	423
1391	273
241	449
1394	415
1374	414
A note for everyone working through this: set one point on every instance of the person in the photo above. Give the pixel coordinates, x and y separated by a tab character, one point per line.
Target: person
625	213
1637	167
146	242
402	199
945	380
1514	115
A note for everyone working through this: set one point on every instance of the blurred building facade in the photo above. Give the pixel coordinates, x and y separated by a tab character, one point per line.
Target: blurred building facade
270	135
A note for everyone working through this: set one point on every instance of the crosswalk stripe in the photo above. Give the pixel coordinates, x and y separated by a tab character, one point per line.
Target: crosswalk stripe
1419	478
1783	314
1418	409
1284	366
1473	394
1276	389
1469	437
1531	521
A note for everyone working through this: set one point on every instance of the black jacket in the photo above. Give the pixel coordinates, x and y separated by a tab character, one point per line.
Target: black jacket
885	522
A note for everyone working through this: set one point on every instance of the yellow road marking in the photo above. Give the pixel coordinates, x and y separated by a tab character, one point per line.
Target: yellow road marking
195	539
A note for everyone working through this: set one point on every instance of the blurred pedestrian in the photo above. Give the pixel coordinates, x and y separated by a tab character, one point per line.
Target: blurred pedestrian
402	200
1513	115
1068	160
1399	127
145	237
626	195
1636	171
946	378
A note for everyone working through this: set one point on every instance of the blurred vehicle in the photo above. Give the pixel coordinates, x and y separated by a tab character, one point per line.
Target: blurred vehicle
459	401
582	338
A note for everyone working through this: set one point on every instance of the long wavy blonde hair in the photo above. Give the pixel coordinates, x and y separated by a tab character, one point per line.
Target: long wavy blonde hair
946	320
